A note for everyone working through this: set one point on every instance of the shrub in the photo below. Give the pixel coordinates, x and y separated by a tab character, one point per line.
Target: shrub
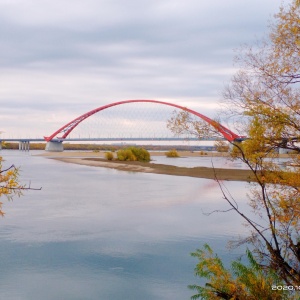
222	146
133	153
172	153
141	154
109	155
125	154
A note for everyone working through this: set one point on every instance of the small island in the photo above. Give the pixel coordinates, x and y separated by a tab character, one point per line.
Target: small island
98	160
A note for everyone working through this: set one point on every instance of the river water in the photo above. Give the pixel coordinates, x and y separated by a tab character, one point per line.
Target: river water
96	233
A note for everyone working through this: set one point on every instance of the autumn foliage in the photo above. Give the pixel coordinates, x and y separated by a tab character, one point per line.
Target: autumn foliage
172	153
262	101
109	155
245	281
265	94
9	185
133	154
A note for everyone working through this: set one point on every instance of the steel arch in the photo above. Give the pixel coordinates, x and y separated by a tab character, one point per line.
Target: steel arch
67	129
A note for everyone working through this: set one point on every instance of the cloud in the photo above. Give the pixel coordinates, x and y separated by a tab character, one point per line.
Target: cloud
71	56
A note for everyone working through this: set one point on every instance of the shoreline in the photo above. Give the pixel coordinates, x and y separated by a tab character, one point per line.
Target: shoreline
96	160
101	154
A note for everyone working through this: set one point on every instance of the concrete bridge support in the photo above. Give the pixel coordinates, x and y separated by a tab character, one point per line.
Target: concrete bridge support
54	146
24	145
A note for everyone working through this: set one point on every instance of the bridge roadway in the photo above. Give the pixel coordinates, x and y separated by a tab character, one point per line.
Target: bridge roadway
112	139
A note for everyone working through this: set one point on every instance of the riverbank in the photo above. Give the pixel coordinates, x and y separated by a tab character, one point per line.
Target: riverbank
101	154
97	160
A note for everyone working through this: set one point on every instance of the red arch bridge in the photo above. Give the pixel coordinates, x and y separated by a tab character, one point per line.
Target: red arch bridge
54	141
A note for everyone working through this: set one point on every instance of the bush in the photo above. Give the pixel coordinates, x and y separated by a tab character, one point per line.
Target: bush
141	154
125	154
109	155
172	153
222	146
133	154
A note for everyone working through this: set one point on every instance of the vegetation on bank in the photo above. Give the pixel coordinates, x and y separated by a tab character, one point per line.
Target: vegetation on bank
67	146
202	153
133	154
172	153
129	154
222	146
103	147
196	172
109	155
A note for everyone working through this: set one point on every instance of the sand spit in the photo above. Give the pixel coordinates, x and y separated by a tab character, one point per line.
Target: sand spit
97	160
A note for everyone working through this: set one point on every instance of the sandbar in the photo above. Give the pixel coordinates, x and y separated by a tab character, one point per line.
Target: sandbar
97	160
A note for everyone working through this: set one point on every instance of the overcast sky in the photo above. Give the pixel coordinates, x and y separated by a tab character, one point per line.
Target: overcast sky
60	59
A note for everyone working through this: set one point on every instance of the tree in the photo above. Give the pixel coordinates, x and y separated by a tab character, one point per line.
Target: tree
266	87
265	93
263	100
245	282
9	184
184	123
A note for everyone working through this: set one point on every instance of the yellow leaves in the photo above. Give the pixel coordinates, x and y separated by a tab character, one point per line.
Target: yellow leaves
184	123
211	267
247	282
265	94
283	204
9	184
1	212
285	38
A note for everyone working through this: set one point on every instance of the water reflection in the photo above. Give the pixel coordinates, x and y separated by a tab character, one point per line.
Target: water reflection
96	233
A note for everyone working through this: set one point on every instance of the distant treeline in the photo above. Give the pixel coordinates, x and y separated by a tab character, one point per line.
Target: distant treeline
105	147
67	146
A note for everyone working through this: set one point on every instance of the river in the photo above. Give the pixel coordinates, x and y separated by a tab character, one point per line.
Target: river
95	233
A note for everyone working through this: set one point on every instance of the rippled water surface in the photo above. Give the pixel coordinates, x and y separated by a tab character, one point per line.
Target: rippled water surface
96	233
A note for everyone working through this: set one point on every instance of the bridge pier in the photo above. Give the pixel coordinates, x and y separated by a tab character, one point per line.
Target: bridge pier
54	146
24	145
